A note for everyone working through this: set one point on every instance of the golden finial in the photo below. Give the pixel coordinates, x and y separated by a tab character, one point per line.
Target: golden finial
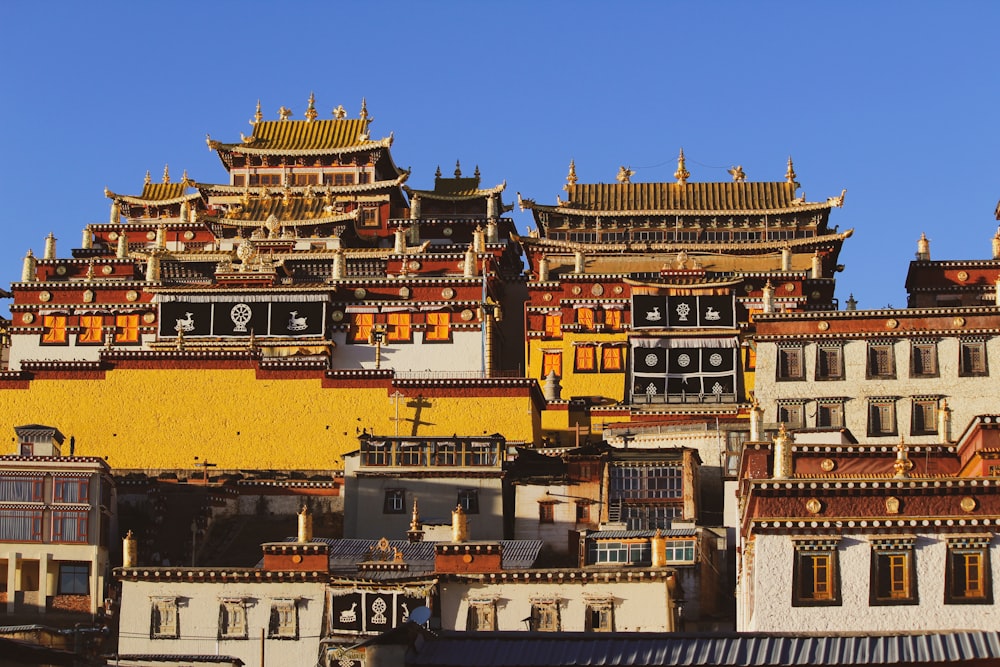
184	177
476	173
258	115
166	173
571	176
364	109
624	174
415	517
737	173
437	173
148	179
682	174
790	172
340	112
902	465
311	109
284	113
458	170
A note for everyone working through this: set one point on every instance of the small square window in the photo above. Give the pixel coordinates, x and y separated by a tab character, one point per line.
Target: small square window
815	578
545	616
546	512
55	329
881	417
791	414
881	360
600	616
585	317
893	573
611	359
583	511
284	621
790	366
924	418
553	325
74	578
923	360
395	501
972	359
482	616
232	619
830	414
468	500
830	362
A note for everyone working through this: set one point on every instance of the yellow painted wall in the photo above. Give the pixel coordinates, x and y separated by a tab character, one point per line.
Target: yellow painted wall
164	418
609	385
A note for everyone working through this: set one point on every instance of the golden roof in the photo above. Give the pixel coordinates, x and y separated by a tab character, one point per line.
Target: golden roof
296	210
291	137
735	197
157	193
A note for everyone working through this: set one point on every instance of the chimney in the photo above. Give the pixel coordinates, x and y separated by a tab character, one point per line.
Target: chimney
28	268
130	550
305	525
658	545
756	421
786	258
459	525
782	454
923	248
50	247
944	422
768	292
543	270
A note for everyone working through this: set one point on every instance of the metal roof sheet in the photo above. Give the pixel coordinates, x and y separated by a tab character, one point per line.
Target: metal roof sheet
530	649
630	534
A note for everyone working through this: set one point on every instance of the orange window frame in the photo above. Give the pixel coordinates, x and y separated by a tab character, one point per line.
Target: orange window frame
399	326
55	329
585	358
438	326
362	325
585	317
126	328
551	361
611	358
553	325
91	329
613	319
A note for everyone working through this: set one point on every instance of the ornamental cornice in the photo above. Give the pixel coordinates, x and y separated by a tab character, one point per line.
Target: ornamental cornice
710	248
655	212
865	335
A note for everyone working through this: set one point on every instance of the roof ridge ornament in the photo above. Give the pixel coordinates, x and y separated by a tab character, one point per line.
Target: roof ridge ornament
476	173
682	174
364	110
148	179
339	112
311	109
624	174
571	176
458	169
790	174
902	465
739	176
284	113
166	173
258	115
437	172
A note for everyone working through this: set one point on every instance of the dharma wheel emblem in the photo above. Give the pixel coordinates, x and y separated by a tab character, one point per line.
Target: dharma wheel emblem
650	359
683	361
240	315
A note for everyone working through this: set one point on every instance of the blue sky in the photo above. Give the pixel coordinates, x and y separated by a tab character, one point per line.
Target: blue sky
894	101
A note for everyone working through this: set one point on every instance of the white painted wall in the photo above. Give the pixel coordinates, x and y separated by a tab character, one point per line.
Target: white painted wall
28	347
772	592
463	353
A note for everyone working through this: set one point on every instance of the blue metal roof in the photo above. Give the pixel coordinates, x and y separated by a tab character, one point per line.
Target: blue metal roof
537	649
635	534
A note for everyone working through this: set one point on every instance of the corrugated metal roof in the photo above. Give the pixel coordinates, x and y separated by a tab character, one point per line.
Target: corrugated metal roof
300	134
176	659
706	197
530	649
154	192
631	534
345	554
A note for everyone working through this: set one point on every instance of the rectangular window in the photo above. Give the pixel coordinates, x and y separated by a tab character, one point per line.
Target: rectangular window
830	362
91	330
364	177
71	489
625	553
232	619
70	525
410	454
553	325
893	575
305	179
399	326
584	359
468	500
585	317
830	414
545	616
881	417
163	619
24	489
369	217
924	418
967	578
445	454
815	580
438	327
21	525
881	360
284	620
375	453
546	512
55	329
74	578
613	319
239	179
482	616
582	511
265	179
551	363
482	454
127	329
790	366
639	482
680	551
972	360
361	326
792	414
343	179
600	616
611	359
923	360
395	501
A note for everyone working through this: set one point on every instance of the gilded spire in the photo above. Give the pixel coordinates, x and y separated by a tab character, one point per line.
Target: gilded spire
284	113
311	109
166	173
258	115
902	465
624	174
476	172
340	112
437	173
571	176
458	170
148	179
184	177
790	172
682	174
364	109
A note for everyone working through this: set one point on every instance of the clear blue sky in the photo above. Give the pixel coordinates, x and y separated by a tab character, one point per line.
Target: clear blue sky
894	101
